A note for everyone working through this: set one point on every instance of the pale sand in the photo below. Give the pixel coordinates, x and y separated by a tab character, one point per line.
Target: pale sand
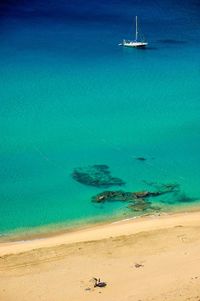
59	268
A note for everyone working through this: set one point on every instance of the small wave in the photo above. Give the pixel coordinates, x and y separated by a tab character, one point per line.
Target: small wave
126	219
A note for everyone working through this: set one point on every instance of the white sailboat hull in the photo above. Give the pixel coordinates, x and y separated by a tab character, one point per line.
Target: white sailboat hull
133	44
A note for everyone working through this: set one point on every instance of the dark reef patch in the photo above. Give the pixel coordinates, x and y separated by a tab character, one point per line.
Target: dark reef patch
96	175
171	41
119	195
112	196
140	159
183	198
137	201
163	187
140	205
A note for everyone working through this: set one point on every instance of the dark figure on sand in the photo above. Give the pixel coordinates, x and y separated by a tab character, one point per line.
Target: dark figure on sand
99	283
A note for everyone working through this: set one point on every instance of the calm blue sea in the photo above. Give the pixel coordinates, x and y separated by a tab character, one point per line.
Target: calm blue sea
71	97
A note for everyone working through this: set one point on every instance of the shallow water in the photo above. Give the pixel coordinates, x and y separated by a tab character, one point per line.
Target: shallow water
71	97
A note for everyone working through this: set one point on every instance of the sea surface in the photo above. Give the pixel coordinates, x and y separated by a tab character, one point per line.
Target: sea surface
71	97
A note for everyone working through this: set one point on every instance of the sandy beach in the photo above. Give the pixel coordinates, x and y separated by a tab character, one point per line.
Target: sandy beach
151	258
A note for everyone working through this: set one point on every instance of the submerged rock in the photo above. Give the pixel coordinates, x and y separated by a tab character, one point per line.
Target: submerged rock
140	159
121	196
140	205
169	187
183	198
112	196
143	205
140	196
136	204
96	175
145	194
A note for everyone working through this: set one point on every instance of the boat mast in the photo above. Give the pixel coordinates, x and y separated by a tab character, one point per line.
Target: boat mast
136	29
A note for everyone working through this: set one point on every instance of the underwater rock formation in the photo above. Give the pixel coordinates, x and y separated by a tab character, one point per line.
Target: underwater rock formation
143	205
183	198
136	203
112	196
140	205
141	159
145	194
172	41
109	196
96	175
163	187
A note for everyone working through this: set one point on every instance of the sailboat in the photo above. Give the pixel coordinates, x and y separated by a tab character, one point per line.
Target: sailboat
136	43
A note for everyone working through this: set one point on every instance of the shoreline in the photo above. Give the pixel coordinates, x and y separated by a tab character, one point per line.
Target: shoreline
52	230
102	231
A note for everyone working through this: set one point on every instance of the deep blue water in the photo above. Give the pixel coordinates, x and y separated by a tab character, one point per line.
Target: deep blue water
70	97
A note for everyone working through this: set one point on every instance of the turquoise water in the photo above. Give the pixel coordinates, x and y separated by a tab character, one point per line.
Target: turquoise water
71	97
